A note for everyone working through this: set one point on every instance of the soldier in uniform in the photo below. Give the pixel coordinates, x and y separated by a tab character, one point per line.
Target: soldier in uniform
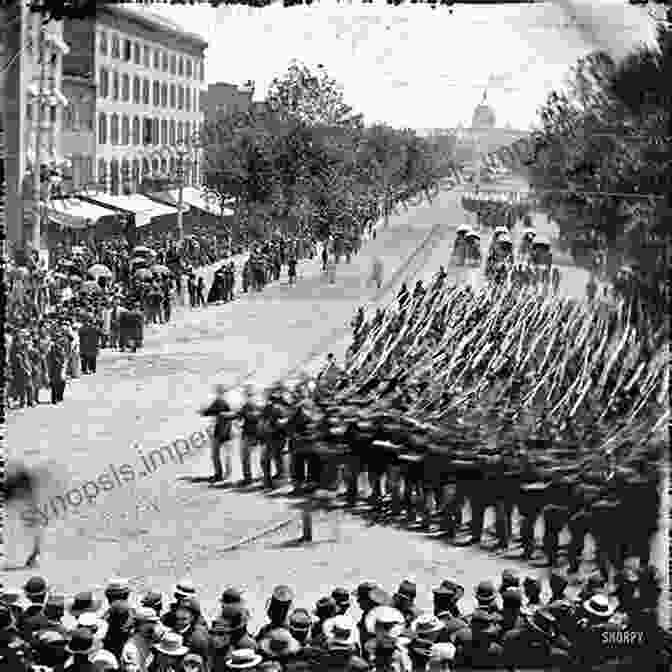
249	416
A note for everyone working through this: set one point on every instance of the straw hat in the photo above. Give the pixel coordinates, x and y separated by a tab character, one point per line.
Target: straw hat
426	624
171	644
243	659
599	605
279	643
93	622
340	629
388	617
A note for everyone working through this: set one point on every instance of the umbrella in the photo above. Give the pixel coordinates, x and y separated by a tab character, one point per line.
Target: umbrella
98	270
473	234
463	228
91	286
143	274
142	251
501	231
160	269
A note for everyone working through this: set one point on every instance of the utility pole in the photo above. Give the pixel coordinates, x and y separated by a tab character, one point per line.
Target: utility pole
36	237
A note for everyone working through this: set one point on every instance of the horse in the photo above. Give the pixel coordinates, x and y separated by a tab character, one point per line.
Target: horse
21	486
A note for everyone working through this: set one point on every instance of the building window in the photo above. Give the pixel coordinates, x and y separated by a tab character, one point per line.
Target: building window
52	114
136	89
128	50
172	164
115	47
125	131
145	92
187	98
135	175
156	94
146	56
29	111
172	132
115	86
164	62
125	88
179	132
136	53
173	64
114	129
189	68
104	89
102	129
146	168
164	166
164	95
114	177
155	132
157	59
146	131
202	71
172	96
136	131
126	176
69	120
164	132
102	174
180	67
187	137
103	43
195	100
180	98
155	165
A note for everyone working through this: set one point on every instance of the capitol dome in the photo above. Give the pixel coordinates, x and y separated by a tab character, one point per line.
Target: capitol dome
484	116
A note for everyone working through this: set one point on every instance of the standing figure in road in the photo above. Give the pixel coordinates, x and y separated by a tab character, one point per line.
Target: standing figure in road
220	410
325	258
200	292
377	273
249	415
58	363
291	269
331	270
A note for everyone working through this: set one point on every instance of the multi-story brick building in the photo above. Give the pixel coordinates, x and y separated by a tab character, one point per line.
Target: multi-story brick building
148	75
31	66
222	99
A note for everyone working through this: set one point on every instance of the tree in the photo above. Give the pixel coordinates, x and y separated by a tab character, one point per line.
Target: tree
599	145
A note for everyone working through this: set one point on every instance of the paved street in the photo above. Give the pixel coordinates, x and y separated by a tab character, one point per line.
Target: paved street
159	526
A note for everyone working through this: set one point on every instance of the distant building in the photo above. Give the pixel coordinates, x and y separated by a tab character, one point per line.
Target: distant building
223	99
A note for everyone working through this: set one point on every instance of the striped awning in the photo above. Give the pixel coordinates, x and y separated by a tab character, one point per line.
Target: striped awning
144	209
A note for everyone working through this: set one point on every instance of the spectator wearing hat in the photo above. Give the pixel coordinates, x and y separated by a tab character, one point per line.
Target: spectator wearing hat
119	627
387	654
404	600
95	624
184	590
153	600
510	579
342	598
137	652
104	661
325	609
537	644
512	617
441	657
35	590
228	633
50	649
81	647
341	635
446	598
192	662
369	596
232	595
532	591
243	659
478	646
84	603
279	645
300	624
486	597
49	618
117	590
277	610
382	622
423	632
168	653
189	624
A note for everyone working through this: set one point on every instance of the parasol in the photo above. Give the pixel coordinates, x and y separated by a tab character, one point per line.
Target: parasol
463	228
91	286
474	234
98	270
143	274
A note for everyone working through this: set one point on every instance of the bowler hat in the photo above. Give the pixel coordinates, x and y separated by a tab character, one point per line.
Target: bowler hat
449	589
325	608
485	592
35	586
341	596
185	588
282	594
407	589
231	595
55	606
512	598
364	590
81	642
279	642
300	620
232	617
152	599
84	602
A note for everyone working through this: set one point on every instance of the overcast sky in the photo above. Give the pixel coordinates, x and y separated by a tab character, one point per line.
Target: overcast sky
414	66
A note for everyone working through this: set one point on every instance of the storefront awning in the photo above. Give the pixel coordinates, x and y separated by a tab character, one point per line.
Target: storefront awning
75	214
144	209
195	198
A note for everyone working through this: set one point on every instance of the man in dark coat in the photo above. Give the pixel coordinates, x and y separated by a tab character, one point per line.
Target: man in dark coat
89	346
57	362
220	410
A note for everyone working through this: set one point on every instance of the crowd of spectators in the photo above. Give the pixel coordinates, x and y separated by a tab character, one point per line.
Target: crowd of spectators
512	628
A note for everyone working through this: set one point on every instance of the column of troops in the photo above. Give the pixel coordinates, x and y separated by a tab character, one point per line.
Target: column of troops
430	473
